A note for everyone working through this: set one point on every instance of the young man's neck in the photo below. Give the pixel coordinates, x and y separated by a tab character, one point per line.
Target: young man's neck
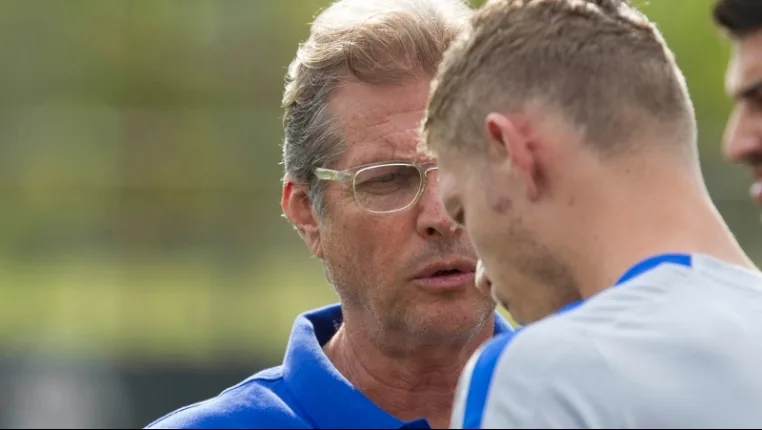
419	383
677	219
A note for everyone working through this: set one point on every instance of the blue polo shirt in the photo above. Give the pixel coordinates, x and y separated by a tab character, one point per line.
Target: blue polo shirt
306	391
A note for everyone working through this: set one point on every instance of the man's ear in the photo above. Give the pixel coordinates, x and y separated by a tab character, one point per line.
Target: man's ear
298	208
511	146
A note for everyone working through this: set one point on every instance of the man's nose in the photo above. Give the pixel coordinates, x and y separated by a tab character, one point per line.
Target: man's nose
743	137
433	219
744	149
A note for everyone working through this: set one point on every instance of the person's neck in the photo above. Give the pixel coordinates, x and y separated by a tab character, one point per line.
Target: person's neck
417	382
628	228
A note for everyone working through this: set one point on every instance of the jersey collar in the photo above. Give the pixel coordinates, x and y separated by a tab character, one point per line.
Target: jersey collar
640	268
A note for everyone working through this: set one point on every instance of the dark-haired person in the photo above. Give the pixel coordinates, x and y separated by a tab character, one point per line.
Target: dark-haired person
742	21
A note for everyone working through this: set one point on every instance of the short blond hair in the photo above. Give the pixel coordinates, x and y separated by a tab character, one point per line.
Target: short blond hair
600	64
373	42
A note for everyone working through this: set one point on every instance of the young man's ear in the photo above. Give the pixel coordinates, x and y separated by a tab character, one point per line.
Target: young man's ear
512	148
298	208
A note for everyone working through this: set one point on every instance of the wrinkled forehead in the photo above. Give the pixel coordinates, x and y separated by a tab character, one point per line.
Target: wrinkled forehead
380	122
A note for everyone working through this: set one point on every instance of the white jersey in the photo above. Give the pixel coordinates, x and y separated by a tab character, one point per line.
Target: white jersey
677	343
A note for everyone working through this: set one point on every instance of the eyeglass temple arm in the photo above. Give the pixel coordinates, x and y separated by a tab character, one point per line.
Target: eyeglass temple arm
332	175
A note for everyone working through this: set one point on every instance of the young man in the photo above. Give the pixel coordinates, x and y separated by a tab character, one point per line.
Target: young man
566	142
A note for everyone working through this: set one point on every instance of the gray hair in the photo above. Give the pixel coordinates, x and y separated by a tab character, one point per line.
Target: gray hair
373	42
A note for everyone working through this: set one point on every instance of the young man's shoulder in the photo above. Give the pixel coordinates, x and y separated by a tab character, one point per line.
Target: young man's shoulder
514	376
533	347
261	401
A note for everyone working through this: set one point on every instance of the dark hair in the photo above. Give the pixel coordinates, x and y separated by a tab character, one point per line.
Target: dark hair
738	17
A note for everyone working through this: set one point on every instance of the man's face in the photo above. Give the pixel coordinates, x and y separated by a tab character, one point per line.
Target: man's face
410	271
743	134
489	198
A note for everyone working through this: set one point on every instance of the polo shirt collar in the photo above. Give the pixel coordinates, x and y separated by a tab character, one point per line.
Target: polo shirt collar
321	391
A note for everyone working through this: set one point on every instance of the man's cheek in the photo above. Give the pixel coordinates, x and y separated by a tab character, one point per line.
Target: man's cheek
477	231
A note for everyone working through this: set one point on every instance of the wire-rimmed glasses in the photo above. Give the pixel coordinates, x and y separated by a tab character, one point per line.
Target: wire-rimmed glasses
385	187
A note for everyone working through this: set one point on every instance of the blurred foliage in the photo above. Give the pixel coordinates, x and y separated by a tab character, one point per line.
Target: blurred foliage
140	175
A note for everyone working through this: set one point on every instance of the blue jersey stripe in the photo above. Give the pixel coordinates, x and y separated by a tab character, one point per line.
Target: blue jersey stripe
481	378
650	263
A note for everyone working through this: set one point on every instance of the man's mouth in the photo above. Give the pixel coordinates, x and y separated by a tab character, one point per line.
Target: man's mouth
446	272
756	190
446	275
755	165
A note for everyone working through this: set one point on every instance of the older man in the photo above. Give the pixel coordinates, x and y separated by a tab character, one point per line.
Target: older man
567	147
742	20
365	203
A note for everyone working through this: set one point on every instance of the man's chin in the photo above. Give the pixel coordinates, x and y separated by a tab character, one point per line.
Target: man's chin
454	314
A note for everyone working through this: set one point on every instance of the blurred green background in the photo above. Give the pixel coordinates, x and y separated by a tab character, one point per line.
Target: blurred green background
140	224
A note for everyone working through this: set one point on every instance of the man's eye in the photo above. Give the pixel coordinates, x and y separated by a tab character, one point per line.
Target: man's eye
389	177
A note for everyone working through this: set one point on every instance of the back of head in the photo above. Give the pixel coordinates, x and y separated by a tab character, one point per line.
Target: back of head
738	17
599	64
385	41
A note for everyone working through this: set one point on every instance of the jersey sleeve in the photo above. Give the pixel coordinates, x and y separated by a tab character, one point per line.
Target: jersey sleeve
473	385
540	377
461	392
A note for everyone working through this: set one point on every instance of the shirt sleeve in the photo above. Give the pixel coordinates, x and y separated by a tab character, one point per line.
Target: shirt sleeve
461	392
473	385
540	377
